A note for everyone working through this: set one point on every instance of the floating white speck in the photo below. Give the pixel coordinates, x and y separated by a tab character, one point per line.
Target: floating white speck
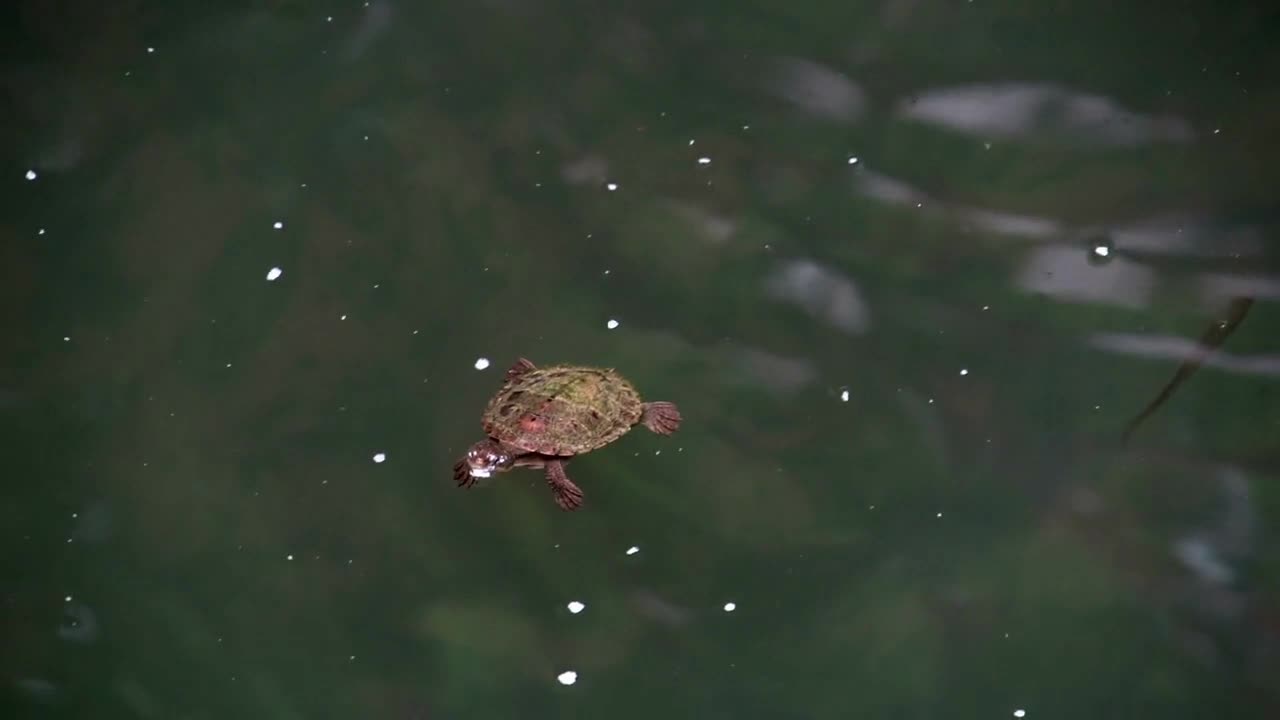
1019	713
612	186
41	231
691	142
31	175
288	557
278	225
66	338
1101	250
576	607
482	363
844	396
612	324
568	677
151	50
939	514
67	599
379	457
730	607
344	317
633	550
704	161
274	274
853	160
964	371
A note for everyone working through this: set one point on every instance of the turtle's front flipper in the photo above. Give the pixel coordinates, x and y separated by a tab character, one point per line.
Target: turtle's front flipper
521	367
568	495
661	417
462	474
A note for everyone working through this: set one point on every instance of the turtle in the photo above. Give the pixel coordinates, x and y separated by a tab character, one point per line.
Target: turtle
542	417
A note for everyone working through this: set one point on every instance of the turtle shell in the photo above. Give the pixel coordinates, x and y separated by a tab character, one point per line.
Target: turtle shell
563	410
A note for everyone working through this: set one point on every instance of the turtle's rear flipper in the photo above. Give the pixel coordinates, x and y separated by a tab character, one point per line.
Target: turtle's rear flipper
568	495
661	417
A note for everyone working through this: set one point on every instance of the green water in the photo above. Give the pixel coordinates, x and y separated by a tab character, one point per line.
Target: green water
855	242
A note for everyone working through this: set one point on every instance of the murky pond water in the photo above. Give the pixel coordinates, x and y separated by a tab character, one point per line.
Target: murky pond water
969	310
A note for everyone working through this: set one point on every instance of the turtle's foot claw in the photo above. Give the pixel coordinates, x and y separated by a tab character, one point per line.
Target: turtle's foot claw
521	367
661	417
568	495
462	474
569	499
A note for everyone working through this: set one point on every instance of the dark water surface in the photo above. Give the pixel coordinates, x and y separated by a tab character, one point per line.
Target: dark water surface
908	267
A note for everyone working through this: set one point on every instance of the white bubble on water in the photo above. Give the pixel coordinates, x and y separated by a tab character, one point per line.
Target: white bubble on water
633	550
31	175
576	607
844	396
853	160
730	607
612	186
274	274
568	677
704	161
612	324
278	225
1019	713
482	363
379	457
964	371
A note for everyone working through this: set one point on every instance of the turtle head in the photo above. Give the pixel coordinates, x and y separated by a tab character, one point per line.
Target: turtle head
487	457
